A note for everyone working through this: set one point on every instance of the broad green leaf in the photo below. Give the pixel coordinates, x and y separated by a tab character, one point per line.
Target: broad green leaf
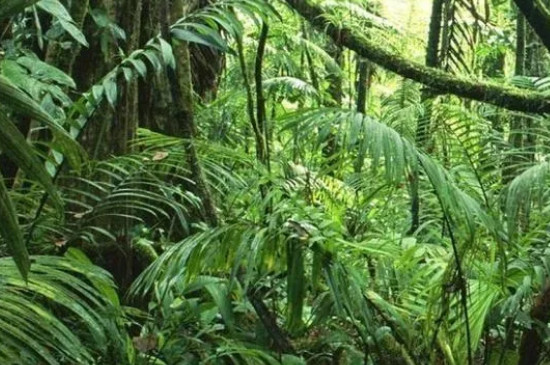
15	146
110	87
220	295
167	53
45	72
73	30
28	309
11	233
20	102
193	37
56	9
139	66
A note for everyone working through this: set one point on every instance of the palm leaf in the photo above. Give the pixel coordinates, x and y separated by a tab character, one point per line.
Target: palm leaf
10	231
80	290
15	146
19	102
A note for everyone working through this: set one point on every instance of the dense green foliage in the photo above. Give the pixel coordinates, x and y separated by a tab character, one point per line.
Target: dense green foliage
273	182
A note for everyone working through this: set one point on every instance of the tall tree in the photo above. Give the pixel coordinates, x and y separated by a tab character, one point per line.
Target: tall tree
423	129
181	85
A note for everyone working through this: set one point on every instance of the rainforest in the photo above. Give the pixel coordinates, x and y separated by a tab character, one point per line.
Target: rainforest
292	182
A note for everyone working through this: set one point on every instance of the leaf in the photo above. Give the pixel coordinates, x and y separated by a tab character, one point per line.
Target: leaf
73	30
58	11
14	145
139	66
55	8
30	323
220	295
20	102
110	87
10	231
167	53
45	72
192	37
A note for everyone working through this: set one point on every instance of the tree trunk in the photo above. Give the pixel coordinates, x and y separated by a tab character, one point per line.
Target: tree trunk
261	117
335	88
184	127
517	124
363	84
128	116
424	122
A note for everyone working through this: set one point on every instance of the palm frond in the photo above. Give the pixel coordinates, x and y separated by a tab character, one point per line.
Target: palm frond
31	326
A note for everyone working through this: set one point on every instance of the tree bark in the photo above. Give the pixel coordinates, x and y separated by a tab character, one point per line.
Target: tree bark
311	65
336	92
335	88
129	13
364	73
424	122
434	35
520	45
260	98
517	124
281	342
504	96
250	105
154	97
182	94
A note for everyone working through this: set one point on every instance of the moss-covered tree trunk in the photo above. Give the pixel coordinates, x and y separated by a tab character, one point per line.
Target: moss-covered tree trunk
517	125
336	80
129	15
336	92
424	122
364	78
183	125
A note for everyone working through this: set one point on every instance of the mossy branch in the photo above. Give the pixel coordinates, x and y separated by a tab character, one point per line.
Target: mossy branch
503	96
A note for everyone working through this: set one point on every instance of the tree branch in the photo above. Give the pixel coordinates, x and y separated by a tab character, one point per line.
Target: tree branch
503	96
